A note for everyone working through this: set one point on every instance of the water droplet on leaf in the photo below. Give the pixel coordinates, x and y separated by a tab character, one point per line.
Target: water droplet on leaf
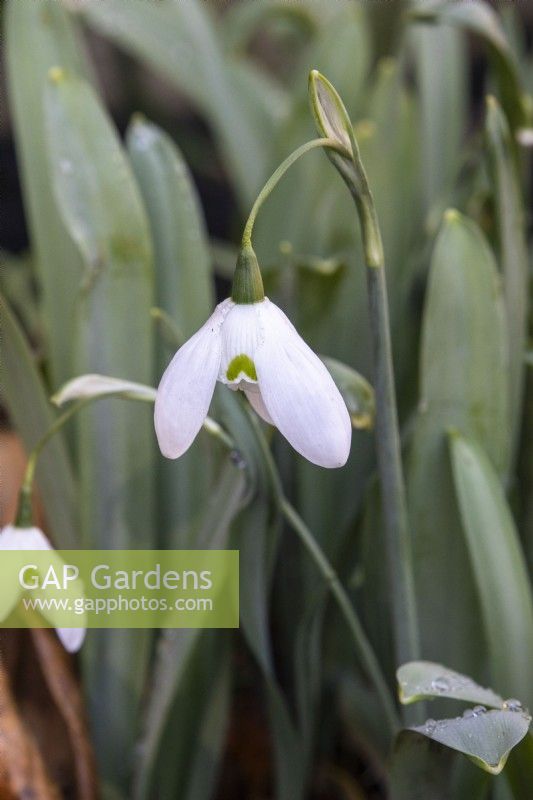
430	725
512	704
440	684
237	459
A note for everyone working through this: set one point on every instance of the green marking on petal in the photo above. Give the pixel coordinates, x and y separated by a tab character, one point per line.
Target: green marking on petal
241	363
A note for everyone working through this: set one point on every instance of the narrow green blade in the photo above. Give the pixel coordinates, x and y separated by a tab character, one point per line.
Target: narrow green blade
499	568
178	658
184	291
479	18
45	30
513	254
30	412
463	384
180	41
102	210
440	65
418	680
486	737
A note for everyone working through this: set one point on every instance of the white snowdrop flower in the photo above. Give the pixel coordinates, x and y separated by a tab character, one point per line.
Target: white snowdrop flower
252	346
15	538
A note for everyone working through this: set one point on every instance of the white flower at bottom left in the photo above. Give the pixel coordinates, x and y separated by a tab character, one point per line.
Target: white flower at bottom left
14	538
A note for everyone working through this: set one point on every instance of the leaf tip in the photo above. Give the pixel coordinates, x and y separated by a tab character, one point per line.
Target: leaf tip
453	434
56	75
452	215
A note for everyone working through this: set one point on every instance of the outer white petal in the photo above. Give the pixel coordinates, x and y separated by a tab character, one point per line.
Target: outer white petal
13	538
300	394
71	638
258	404
186	388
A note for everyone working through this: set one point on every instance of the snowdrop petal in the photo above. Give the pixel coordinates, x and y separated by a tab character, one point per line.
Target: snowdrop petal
300	394
13	538
187	387
71	638
258	404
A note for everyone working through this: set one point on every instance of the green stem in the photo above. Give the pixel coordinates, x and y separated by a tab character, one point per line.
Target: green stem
327	105
391	473
362	645
24	513
388	447
278	174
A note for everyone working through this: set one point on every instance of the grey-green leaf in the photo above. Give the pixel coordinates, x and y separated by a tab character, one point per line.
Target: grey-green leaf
95	386
463	384
356	391
499	568
487	737
180	41
479	18
418	680
102	210
513	253
25	397
183	261
45	31
184	292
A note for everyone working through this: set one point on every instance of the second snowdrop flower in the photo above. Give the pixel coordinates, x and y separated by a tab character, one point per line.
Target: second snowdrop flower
13	537
248	343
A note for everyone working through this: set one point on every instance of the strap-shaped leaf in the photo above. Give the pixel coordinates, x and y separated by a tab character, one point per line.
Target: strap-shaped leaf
513	252
24	394
181	251
486	737
180	41
102	211
356	391
463	384
478	17
102	386
418	680
499	567
184	291
45	31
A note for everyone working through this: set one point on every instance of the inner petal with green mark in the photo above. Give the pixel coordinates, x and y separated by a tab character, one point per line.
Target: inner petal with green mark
241	364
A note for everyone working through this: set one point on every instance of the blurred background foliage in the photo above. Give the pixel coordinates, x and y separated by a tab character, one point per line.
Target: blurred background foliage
130	187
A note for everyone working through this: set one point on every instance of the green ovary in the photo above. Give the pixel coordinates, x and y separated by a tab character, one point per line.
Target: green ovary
241	363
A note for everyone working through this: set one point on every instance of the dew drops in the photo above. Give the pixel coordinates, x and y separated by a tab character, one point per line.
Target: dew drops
469	713
512	704
440	684
144	137
430	726
237	459
477	711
